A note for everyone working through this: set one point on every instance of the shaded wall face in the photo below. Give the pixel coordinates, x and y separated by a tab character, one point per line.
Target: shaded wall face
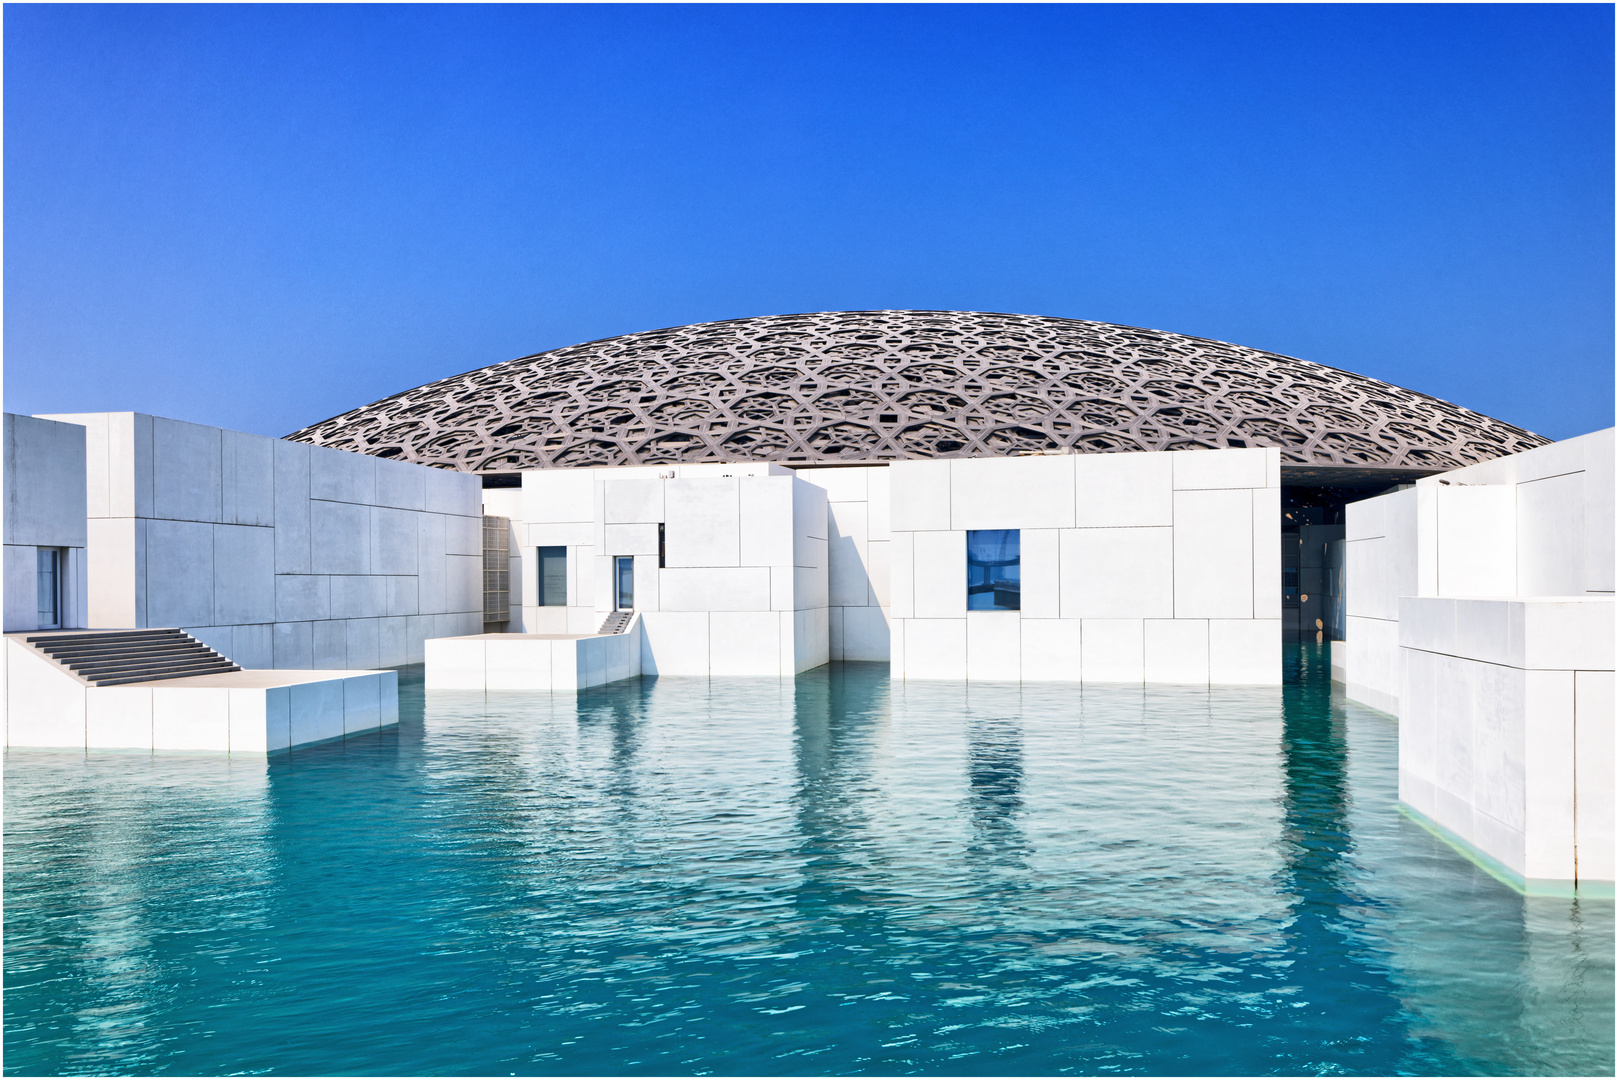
44	508
276	554
1157	567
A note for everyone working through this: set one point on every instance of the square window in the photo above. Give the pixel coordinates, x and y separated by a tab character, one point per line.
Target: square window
994	570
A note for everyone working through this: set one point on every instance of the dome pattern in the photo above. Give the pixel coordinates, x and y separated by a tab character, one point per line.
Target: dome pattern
891	385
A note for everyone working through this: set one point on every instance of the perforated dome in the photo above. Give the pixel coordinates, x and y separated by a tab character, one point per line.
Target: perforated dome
889	385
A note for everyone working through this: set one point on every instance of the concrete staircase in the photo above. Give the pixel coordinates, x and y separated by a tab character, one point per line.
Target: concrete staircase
116	657
616	623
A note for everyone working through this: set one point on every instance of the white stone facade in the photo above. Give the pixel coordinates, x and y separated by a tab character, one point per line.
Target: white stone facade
1481	614
1539	523
44	508
737	584
1158	567
1153	567
276	554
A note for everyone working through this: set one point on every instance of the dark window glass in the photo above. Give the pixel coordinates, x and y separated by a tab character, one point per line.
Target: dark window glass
994	570
50	588
553	577
626	582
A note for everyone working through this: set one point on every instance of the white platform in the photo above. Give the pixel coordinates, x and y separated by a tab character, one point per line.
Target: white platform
533	661
238	712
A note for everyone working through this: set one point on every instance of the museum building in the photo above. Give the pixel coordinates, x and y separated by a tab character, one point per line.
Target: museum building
962	495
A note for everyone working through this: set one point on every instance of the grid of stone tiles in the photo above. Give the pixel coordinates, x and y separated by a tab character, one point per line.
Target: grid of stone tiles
889	385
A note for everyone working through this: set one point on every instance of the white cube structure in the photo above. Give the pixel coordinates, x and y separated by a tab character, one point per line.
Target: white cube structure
1136	567
277	554
728	563
1480	612
1151	567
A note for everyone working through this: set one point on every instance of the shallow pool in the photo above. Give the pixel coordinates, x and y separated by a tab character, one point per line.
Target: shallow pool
837	875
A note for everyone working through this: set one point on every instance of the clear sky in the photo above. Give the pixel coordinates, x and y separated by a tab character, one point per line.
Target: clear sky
258	217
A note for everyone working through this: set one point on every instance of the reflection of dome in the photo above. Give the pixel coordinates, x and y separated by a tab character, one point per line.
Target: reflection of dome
883	385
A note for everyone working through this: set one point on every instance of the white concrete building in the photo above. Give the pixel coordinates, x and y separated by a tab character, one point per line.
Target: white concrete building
1154	567
276	554
1480	612
45	535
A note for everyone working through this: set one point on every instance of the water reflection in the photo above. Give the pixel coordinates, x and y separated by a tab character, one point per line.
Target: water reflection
832	874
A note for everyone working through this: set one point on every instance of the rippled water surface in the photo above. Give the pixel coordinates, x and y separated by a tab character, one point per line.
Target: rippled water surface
837	875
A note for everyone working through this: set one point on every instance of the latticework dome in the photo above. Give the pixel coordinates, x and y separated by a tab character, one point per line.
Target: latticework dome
887	385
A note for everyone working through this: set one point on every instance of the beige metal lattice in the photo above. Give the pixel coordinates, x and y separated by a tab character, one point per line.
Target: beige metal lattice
890	385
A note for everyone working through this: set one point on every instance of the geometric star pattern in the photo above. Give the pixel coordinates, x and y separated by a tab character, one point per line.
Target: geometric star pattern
891	385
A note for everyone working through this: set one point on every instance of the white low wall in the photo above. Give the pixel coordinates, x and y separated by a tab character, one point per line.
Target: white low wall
1506	730
533	661
239	712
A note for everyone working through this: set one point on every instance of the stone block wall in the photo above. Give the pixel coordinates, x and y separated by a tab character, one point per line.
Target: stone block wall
1154	567
276	554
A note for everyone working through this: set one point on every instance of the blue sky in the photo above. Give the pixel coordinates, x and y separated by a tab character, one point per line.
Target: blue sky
258	217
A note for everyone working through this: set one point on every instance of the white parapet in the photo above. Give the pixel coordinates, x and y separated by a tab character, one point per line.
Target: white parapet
1506	731
533	661
237	712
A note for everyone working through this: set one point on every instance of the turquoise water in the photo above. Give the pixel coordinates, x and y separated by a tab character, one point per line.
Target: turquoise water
840	875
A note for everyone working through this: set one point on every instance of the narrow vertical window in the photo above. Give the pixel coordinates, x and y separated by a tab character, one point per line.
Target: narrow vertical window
994	570
662	548
625	580
50	588
552	577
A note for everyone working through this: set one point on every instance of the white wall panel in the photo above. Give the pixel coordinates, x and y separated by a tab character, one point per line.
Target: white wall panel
940	574
994	646
675	643
1123	490
1117	573
865	633
337	476
186	471
848	575
1050	650
400	485
1244	651
918	495
1176	651
633	501
744	643
247	494
935	649
630	539
1267	553
340	538
1012	493
244	575
1551	536
179	573
1213	554
704	522
1194	469
1041	574
1476	535
902	576
292	526
735	588
1112	650
766	529
393	541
